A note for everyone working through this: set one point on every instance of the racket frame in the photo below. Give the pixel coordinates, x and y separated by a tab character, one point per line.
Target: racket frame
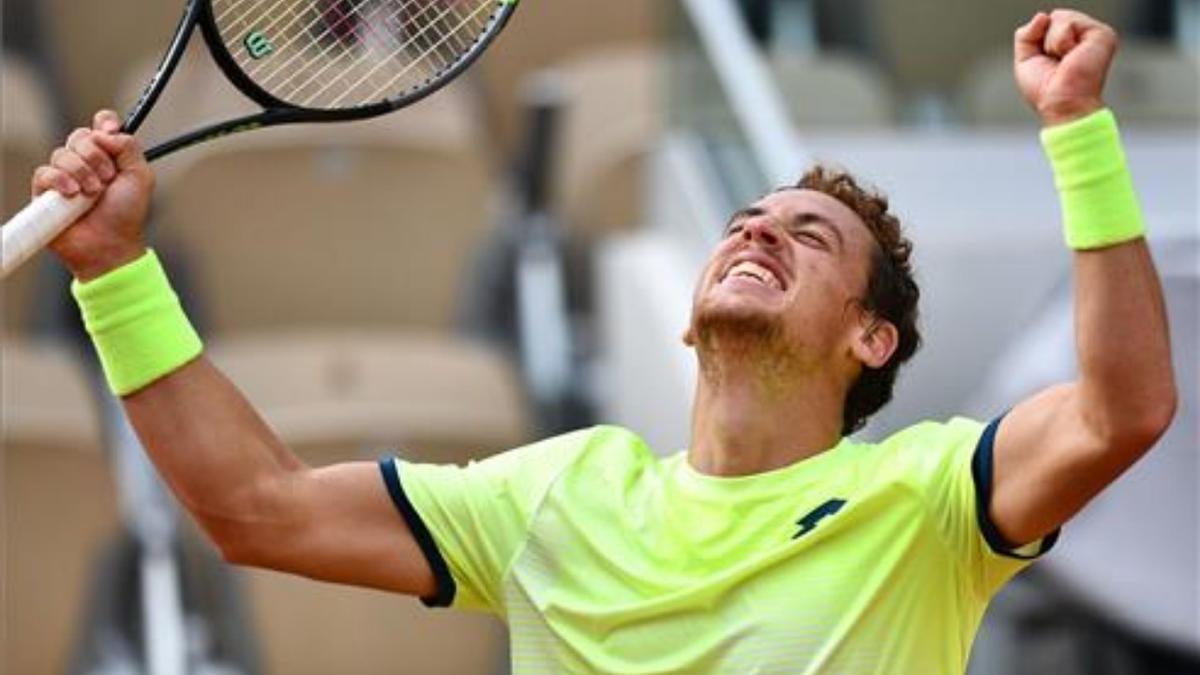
198	13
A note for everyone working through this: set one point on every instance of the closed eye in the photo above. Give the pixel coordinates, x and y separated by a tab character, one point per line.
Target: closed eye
810	237
814	230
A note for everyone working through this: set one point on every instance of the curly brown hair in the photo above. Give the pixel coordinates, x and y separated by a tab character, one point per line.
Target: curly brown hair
892	292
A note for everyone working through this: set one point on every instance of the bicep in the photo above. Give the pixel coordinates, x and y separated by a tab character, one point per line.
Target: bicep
1048	464
336	524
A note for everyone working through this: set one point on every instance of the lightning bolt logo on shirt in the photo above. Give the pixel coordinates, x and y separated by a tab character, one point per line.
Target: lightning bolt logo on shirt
809	521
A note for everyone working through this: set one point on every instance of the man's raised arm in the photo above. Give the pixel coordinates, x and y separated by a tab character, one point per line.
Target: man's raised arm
1058	449
258	502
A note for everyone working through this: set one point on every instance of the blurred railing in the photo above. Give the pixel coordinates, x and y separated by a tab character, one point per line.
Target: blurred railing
720	89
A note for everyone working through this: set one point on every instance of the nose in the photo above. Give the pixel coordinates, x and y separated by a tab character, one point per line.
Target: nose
762	229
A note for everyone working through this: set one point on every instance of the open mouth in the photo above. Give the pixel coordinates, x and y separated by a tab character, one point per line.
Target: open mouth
754	272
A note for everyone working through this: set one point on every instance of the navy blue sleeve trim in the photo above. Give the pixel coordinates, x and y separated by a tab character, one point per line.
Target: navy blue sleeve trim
981	472
446	588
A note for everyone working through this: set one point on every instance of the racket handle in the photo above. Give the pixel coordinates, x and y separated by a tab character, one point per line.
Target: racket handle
36	225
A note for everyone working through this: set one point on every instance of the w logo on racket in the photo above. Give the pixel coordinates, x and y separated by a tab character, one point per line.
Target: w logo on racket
257	44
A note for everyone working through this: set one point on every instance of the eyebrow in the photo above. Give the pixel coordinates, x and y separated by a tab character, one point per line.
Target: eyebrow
744	212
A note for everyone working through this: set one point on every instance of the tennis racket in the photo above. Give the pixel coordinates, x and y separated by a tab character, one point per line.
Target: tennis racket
302	61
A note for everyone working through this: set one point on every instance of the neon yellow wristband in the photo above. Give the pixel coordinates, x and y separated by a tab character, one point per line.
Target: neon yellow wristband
136	323
1099	206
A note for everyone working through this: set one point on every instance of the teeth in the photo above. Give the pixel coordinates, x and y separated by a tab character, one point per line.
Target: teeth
755	271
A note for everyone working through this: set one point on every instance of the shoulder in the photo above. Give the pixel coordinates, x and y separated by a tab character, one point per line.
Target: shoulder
606	449
611	453
605	441
934	435
929	448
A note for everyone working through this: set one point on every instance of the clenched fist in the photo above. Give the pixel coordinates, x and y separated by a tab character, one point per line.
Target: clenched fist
1061	60
107	165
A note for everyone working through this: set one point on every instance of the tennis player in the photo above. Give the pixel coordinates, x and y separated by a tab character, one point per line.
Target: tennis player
774	543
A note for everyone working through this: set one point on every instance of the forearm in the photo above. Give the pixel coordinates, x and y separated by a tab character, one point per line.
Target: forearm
205	438
208	442
1126	386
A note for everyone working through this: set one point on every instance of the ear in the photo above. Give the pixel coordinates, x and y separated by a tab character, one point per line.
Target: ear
876	342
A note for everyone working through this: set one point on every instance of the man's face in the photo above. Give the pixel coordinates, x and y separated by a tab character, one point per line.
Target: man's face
792	266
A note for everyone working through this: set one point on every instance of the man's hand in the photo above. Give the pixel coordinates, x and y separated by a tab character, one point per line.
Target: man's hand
1060	61
107	165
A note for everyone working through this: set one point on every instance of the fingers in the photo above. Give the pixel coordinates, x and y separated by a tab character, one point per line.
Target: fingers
49	178
1029	38
66	160
123	148
1081	21
1058	33
82	143
90	159
107	121
1061	38
1069	28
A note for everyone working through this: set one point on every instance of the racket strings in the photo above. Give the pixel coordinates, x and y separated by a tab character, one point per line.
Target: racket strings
349	53
370	74
283	69
430	42
343	28
331	29
336	32
380	92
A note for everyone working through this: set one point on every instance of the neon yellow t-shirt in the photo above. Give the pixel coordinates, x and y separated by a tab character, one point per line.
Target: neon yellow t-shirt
603	557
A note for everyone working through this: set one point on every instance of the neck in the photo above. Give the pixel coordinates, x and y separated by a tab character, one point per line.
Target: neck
756	412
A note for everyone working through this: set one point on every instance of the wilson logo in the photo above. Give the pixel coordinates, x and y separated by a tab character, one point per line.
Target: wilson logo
257	44
809	521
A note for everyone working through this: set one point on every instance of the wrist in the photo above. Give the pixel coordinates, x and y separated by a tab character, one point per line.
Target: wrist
136	324
1065	112
99	260
1099	205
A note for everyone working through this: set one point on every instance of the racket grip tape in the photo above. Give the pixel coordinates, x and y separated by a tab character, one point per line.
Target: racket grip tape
37	225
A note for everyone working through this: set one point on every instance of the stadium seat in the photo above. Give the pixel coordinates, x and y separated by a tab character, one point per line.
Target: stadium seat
335	397
310	628
833	90
58	502
549	34
1150	84
355	394
613	117
297	229
368	223
27	139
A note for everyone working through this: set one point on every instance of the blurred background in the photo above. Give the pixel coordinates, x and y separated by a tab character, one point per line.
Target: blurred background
517	259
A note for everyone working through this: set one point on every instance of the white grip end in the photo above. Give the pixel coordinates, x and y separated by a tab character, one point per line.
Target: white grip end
36	225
